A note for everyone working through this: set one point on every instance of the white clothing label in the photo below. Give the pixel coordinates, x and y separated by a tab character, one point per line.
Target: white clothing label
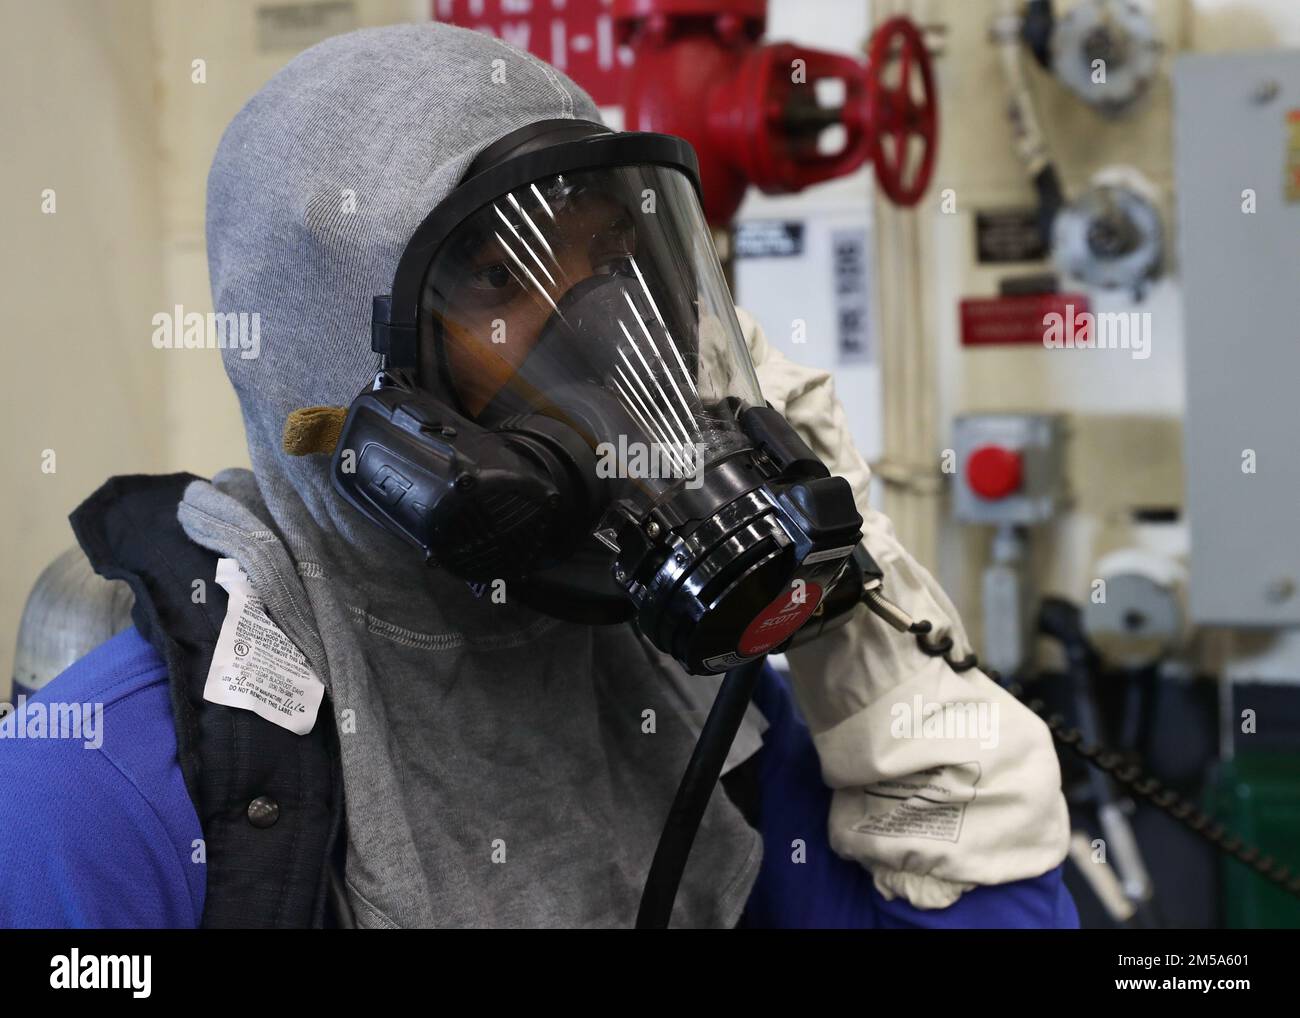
255	666
930	804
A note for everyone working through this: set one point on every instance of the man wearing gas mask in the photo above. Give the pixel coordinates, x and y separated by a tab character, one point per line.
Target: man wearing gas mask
524	488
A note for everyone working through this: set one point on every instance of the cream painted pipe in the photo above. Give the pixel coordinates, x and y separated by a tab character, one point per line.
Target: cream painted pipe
909	466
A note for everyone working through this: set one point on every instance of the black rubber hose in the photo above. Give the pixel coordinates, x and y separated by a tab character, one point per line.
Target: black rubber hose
1036	27
1051	198
697	785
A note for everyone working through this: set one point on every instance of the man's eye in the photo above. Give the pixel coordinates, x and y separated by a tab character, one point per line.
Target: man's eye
612	249
492	277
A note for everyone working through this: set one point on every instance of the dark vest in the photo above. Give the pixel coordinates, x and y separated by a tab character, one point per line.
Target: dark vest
269	802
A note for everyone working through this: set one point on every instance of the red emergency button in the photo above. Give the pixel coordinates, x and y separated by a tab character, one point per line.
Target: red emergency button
993	472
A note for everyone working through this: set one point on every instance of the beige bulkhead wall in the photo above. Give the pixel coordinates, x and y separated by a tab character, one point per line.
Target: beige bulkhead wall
104	105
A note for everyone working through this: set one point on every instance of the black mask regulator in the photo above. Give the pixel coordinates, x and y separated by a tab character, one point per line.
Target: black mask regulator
713	574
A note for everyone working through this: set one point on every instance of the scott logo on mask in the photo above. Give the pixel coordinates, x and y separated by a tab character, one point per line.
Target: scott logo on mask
781	619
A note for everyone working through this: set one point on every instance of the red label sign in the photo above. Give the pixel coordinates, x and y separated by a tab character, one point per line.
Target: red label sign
577	36
780	620
987	321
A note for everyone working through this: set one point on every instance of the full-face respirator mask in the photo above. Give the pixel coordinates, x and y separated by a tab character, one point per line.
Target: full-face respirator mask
567	404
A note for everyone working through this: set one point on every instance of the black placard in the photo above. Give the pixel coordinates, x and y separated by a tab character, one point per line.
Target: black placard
769	239
1008	235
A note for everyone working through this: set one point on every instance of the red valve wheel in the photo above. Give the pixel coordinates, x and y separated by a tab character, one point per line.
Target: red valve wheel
897	115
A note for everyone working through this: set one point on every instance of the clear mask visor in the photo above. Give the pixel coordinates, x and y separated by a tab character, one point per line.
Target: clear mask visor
594	297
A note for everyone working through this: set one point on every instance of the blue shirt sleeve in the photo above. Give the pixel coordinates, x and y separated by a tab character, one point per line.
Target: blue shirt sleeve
96	826
803	884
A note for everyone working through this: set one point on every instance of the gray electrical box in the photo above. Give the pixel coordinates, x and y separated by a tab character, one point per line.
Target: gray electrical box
1030	445
1237	152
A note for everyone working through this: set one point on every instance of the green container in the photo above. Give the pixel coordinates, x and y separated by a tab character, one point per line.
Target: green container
1257	796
